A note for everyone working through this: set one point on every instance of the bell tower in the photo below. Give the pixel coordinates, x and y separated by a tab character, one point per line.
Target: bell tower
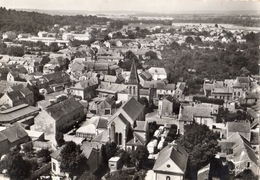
133	83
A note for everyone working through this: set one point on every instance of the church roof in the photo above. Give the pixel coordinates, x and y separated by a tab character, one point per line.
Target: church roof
133	79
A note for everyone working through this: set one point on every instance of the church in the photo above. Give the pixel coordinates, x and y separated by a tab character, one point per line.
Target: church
127	127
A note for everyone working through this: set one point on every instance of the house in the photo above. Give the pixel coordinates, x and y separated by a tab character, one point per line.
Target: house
114	79
158	73
165	106
16	73
107	88
224	93
253	116
163	89
51	82
219	89
216	169
180	90
140	136
12	99
171	163
12	136
101	106
243	128
250	97
84	89
243	82
9	35
195	113
115	163
59	116
94	154
26	92
238	150
92	151
56	64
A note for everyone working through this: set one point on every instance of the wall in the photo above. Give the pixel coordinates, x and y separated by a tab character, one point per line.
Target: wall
55	170
158	176
205	120
44	122
6	100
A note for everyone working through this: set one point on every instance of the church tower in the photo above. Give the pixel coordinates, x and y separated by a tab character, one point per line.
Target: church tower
133	83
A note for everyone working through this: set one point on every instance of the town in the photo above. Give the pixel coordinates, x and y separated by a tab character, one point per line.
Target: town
143	101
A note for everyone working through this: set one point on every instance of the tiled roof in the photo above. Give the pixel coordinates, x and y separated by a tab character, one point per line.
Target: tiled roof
238	127
243	79
188	112
16	113
100	123
14	132
240	147
181	85
84	84
63	108
133	108
16	96
222	90
140	126
174	152
102	137
110	78
252	95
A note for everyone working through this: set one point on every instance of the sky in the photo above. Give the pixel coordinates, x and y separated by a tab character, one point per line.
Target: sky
157	6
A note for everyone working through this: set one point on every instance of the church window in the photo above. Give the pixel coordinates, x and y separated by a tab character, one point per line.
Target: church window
120	139
130	89
134	90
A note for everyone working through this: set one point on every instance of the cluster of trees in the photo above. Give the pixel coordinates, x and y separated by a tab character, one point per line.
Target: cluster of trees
128	60
200	143
204	99
19	165
236	60
136	158
28	48
33	22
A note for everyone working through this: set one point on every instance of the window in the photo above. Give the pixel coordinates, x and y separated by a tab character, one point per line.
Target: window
130	89
168	178
238	93
54	166
168	165
120	138
248	164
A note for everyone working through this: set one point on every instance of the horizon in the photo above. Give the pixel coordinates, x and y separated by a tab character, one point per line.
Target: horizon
152	6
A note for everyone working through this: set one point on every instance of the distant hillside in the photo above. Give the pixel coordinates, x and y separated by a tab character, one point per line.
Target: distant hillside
33	22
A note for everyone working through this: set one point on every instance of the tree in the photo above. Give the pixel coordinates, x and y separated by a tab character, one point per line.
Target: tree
140	156
110	150
54	47
201	143
151	55
17	167
125	157
16	51
44	153
59	138
246	174
87	175
189	40
72	160
174	45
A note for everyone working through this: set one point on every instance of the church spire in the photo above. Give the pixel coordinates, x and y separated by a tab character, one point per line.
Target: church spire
133	79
